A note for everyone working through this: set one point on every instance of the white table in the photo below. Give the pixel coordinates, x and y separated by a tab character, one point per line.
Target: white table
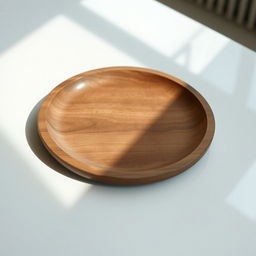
208	210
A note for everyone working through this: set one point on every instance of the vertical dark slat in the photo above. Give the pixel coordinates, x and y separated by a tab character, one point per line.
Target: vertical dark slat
231	9
220	6
242	7
252	15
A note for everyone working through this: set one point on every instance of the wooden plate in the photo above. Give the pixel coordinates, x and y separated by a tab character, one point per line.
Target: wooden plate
126	125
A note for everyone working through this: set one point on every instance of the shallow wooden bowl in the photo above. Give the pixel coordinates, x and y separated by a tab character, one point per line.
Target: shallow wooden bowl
126	125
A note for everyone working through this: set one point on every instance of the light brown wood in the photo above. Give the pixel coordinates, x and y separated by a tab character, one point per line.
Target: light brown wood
126	125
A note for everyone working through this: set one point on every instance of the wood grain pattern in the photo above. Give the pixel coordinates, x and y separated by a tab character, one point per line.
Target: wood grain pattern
125	125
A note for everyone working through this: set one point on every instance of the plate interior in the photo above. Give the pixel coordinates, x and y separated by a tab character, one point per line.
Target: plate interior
126	120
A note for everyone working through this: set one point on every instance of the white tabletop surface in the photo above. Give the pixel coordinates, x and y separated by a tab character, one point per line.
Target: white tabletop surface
208	210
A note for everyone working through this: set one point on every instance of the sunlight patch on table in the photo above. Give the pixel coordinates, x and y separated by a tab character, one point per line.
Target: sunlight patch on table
242	197
204	48
30	69
149	22
252	94
66	190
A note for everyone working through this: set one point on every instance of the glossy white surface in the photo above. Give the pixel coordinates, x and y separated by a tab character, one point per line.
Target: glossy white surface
208	210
